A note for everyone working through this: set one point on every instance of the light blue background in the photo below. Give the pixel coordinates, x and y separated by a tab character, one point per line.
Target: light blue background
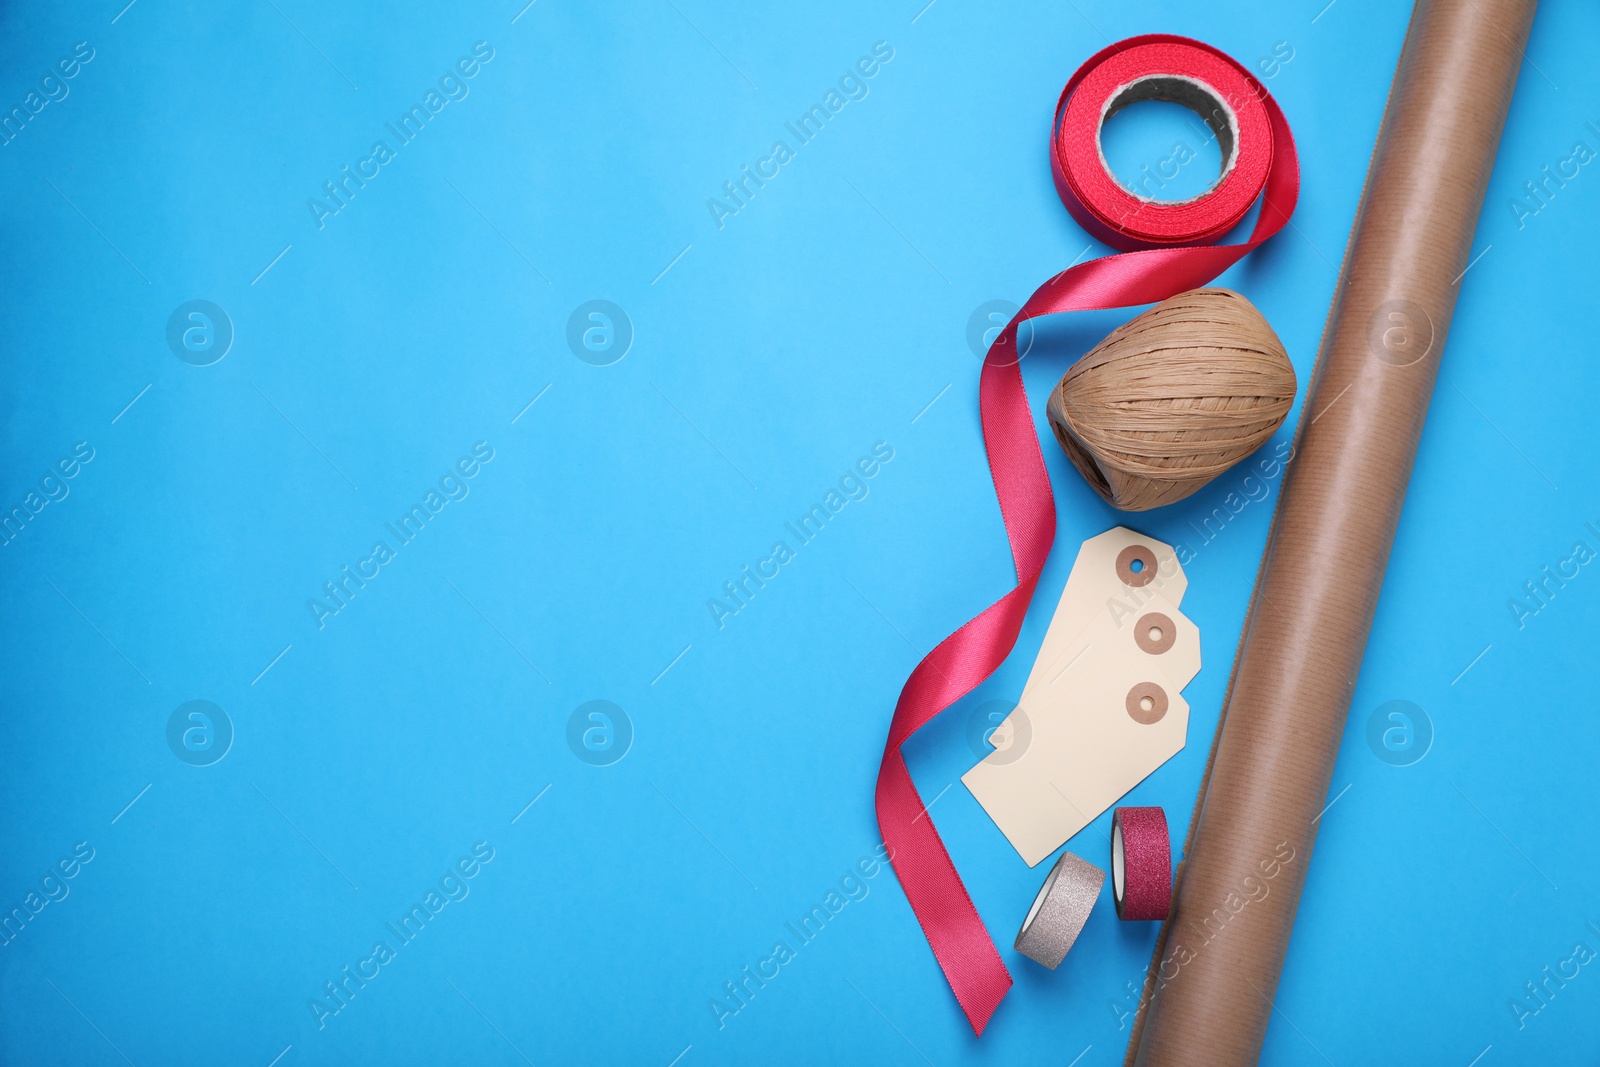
768	356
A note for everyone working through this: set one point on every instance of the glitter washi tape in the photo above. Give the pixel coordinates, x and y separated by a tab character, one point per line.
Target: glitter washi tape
1141	864
1060	910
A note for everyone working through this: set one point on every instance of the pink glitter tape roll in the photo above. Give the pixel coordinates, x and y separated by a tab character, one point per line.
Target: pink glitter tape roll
1141	864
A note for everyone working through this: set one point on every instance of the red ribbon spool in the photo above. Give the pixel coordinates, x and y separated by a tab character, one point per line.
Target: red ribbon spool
1169	255
1210	84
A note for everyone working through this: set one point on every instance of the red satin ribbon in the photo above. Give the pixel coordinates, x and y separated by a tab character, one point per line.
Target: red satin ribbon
963	660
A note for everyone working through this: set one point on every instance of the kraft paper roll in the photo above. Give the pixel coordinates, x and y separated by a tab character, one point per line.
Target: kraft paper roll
1211	984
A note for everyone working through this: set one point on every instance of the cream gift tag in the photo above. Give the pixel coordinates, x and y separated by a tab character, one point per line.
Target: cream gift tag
1115	573
1101	711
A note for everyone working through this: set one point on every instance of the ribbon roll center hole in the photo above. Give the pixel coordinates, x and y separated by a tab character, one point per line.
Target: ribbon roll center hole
1168	139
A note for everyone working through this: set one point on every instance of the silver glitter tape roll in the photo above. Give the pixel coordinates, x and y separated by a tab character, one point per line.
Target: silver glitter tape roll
1060	910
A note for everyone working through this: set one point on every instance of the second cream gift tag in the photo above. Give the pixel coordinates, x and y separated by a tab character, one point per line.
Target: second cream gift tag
1102	707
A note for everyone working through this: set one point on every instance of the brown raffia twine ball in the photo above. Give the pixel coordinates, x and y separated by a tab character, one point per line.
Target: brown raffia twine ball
1172	398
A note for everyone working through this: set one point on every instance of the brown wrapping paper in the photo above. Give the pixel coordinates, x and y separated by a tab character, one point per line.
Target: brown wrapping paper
1215	972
